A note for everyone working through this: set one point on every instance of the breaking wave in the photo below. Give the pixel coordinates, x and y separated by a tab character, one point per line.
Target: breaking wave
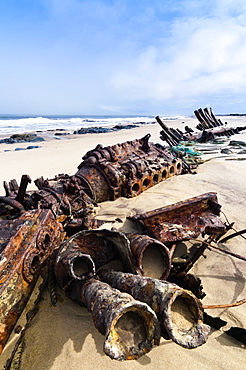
10	124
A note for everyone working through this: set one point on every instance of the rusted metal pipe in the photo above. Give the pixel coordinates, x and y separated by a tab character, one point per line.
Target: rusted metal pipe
150	256
13	203
72	265
25	180
130	327
103	247
180	313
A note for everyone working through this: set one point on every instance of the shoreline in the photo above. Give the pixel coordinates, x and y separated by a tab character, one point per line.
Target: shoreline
63	153
60	155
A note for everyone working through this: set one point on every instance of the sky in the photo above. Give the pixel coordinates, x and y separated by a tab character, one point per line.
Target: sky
138	57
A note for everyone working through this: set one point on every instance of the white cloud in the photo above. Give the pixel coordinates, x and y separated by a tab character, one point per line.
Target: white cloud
202	56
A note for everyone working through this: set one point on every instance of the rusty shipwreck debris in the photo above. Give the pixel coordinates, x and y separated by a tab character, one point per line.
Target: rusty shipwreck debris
80	256
73	265
26	244
209	127
55	229
105	173
180	313
184	220
126	169
145	250
130	327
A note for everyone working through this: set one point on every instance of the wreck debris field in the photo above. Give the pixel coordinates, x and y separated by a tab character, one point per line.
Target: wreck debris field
65	335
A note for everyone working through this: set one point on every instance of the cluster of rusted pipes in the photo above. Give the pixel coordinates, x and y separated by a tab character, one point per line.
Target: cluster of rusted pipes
210	126
153	306
55	226
132	323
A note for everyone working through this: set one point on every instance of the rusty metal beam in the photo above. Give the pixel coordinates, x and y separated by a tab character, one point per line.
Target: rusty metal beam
184	220
25	245
210	126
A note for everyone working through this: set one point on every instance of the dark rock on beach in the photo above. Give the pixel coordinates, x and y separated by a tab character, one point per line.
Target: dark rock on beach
242	151
22	138
237	143
126	127
33	147
28	147
92	130
102	130
226	151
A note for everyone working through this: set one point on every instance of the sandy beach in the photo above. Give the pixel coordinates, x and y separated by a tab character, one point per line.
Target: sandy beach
64	336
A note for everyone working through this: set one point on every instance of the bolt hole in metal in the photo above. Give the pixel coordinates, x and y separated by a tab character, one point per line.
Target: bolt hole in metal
135	187
164	174
47	241
43	241
171	171
179	166
146	183
130	331
183	315
153	262
155	179
34	264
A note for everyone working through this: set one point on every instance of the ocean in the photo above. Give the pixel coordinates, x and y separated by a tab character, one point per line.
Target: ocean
15	124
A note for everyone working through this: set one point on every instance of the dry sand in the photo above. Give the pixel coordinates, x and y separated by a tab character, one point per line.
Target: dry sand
64	337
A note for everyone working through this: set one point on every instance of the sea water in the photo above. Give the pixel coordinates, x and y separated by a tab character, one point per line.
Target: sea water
14	124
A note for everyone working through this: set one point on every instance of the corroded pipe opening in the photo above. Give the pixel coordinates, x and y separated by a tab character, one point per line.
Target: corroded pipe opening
73	265
156	179
154	263
171	171
135	189
31	265
164	174
81	266
130	327
181	315
184	320
131	333
151	257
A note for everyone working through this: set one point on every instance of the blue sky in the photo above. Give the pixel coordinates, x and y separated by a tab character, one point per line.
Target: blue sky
157	57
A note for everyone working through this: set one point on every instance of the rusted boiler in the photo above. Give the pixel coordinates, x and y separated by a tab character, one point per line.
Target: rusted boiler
126	169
